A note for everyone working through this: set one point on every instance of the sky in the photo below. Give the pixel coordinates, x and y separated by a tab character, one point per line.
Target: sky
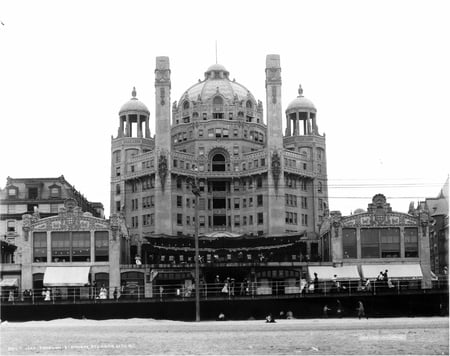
378	73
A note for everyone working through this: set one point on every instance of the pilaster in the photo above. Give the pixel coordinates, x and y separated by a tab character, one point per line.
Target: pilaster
276	199
163	193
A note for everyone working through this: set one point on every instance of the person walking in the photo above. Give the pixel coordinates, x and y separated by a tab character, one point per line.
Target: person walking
325	311
361	312
316	283
339	309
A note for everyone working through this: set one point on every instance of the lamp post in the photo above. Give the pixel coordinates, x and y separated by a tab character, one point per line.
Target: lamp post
196	192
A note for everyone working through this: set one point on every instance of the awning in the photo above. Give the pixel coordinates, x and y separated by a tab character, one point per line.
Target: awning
66	276
327	272
411	271
9	282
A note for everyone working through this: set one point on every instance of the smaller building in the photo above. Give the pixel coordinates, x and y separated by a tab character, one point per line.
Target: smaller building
72	251
381	239
29	195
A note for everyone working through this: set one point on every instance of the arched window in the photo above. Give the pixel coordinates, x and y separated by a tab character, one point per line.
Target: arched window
249	104
218	163
217	100
186	105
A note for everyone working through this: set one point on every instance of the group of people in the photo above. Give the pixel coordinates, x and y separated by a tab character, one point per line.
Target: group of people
383	279
340	311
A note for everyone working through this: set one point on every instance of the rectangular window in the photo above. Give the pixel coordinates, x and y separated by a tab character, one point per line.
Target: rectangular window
250	220
259	182
349	243
235	132
201	221
60	246
236	203
179	219
40	247
117	171
259	200
370	245
304	202
179	201
200	133
11	226
390	242
411	242
101	246
244	220
244	203
237	220
260	218
250	202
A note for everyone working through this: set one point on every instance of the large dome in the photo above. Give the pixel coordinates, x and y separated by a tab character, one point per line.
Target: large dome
217	82
300	103
134	105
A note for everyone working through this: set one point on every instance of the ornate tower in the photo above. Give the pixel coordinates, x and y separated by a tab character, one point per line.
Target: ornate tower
163	189
275	191
302	136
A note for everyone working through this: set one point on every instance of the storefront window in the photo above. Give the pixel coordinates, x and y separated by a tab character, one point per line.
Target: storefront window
411	242
349	243
40	247
101	246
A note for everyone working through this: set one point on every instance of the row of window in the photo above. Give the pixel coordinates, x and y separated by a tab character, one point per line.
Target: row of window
221	203
33	192
219	132
291	218
237	220
380	242
71	246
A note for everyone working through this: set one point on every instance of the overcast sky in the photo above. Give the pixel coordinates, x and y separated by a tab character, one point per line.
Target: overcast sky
377	71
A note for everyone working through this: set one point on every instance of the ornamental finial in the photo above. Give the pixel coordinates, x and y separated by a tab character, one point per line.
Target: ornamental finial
300	90
133	93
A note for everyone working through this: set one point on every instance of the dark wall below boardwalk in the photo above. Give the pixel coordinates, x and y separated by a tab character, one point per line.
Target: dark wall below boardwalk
375	306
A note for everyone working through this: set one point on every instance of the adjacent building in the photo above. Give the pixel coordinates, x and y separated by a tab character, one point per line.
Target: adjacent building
69	251
380	239
29	195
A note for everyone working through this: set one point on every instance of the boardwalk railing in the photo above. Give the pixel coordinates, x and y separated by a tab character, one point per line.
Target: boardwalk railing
226	290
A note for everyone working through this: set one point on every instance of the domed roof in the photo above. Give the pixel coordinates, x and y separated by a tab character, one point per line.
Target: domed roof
134	104
217	83
301	103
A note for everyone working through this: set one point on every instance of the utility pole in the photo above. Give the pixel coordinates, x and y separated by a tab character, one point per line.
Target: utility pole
196	192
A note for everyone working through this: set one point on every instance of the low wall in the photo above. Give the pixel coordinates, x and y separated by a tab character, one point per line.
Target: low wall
376	306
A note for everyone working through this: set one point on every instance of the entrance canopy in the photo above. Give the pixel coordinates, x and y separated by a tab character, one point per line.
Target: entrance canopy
9	282
410	271
327	272
66	276
170	275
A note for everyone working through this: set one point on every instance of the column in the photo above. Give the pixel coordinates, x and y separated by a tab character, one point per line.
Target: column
358	243
163	192
289	132
402	242
139	126
128	127
275	208
296	125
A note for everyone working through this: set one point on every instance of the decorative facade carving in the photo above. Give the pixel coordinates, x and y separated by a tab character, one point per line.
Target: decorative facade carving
162	168
276	168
